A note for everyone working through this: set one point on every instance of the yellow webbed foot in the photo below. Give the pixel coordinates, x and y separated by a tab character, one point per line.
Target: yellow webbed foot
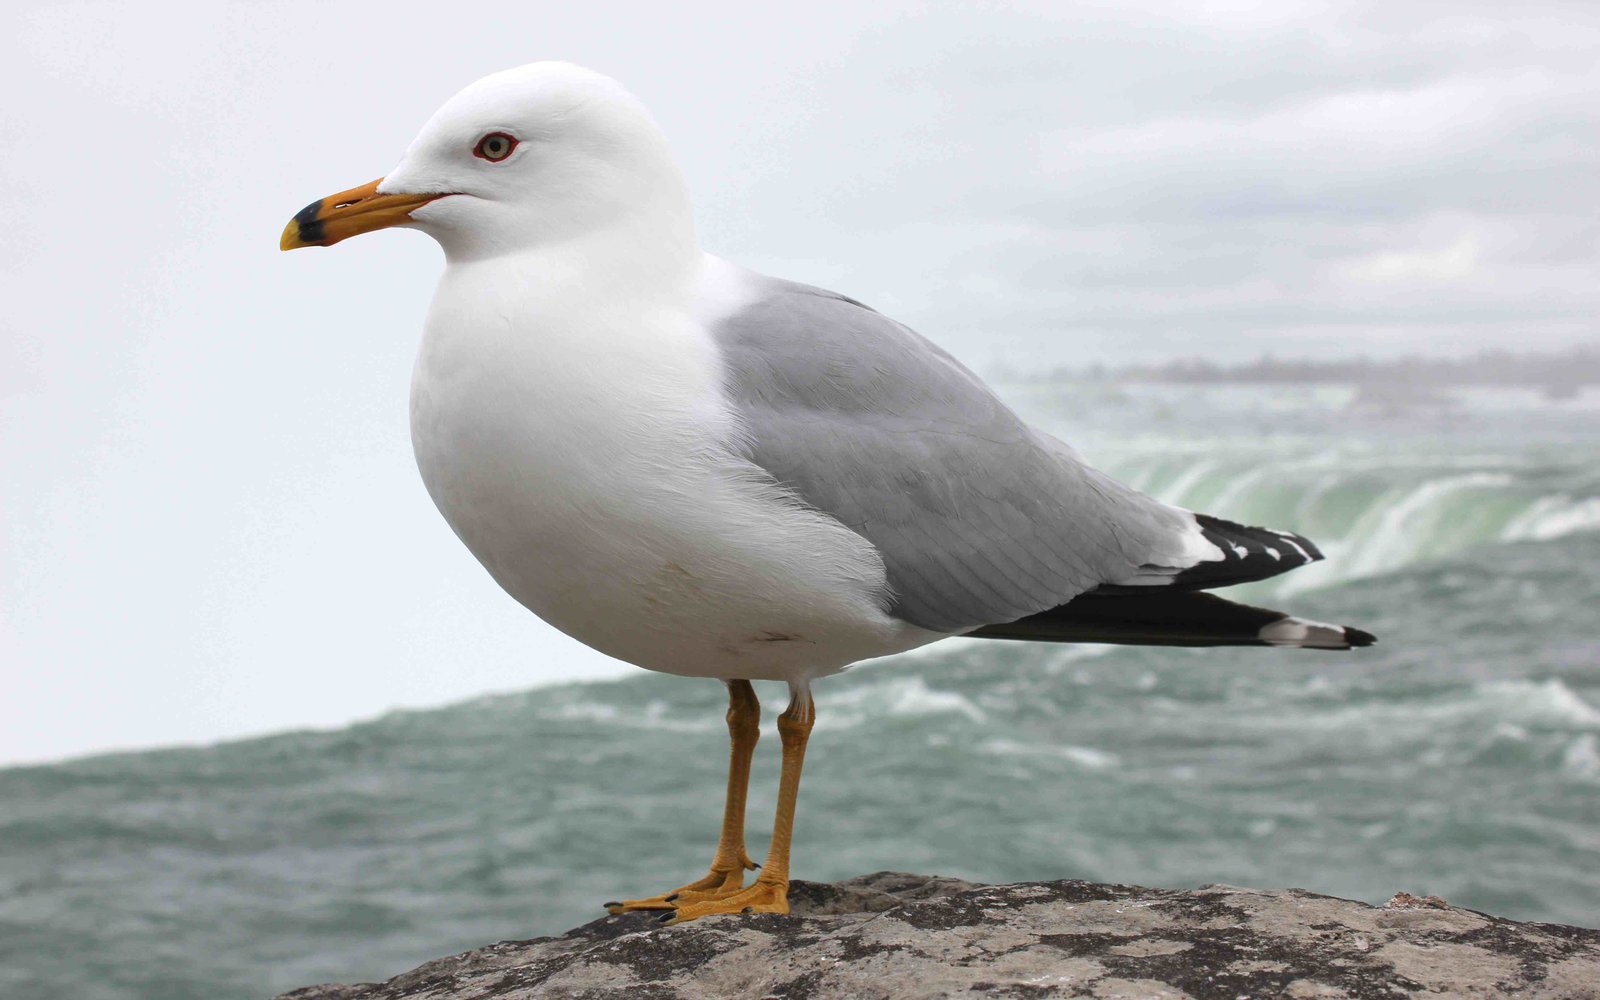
720	882
762	897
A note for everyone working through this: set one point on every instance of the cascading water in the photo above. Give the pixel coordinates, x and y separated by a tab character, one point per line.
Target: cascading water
1373	505
1371	515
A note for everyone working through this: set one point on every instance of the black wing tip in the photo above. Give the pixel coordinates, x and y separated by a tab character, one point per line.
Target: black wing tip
1222	531
1248	554
1358	637
1159	617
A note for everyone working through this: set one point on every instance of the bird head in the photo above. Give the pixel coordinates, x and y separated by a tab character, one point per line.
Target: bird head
542	153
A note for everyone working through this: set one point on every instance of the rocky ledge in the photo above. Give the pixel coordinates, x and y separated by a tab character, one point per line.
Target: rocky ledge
897	935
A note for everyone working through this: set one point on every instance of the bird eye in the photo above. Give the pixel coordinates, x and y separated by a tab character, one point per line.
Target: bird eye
495	147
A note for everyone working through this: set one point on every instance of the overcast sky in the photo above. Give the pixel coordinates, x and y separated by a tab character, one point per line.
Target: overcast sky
212	521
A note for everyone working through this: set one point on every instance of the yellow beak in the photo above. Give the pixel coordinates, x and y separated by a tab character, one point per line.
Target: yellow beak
349	213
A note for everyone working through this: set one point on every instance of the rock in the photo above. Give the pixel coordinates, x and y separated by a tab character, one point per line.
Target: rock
898	935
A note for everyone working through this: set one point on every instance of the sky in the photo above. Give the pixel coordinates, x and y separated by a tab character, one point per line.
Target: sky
212	521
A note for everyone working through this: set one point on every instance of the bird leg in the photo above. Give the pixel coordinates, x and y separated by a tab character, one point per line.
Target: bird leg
770	891
731	861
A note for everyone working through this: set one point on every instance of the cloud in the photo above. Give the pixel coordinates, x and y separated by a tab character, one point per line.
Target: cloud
1450	264
1057	186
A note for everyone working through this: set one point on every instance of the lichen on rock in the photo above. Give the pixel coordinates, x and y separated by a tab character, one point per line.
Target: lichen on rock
892	935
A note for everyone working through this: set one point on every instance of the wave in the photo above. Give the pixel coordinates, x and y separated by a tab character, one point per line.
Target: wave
1550	702
1507	708
896	697
1581	759
1088	758
1554	517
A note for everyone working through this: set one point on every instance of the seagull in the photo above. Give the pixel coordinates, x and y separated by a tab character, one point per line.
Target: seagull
709	472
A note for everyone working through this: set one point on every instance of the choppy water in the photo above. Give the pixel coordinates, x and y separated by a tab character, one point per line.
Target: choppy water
1461	756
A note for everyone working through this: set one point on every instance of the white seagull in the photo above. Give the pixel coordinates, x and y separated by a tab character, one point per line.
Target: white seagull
709	472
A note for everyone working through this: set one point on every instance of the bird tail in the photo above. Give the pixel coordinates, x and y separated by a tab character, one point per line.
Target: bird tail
1165	618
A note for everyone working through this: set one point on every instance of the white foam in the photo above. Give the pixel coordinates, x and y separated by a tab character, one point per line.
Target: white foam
1554	517
1243	485
1549	701
900	697
1581	760
656	714
1088	758
1175	492
582	711
1397	536
1070	655
1525	704
1445	504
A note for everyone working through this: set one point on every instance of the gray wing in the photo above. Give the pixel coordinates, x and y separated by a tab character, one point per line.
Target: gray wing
979	518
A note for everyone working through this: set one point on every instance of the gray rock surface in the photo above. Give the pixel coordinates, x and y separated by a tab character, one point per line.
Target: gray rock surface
898	935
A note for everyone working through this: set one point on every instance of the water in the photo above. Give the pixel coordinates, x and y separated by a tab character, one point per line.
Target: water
1461	756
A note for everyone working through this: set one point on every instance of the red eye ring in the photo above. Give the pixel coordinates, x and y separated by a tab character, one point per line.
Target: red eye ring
495	146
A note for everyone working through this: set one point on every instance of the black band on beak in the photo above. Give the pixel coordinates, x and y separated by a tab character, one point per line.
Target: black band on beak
309	225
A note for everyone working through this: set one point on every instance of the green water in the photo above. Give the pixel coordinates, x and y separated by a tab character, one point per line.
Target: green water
1461	756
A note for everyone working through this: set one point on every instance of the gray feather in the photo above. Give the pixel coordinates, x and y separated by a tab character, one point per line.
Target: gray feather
979	518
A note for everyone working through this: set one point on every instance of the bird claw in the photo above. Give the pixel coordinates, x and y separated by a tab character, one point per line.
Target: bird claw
762	897
718	883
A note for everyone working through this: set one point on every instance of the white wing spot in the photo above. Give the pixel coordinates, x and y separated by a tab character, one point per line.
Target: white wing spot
1306	556
1299	632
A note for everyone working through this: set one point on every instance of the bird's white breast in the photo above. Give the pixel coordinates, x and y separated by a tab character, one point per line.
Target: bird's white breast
579	443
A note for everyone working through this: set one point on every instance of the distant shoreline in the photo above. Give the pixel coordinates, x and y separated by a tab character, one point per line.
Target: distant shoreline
1558	374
